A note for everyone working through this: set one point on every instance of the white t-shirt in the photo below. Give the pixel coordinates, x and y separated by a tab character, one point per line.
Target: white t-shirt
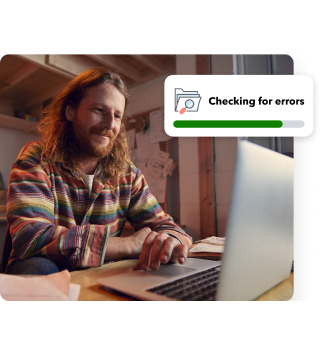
89	179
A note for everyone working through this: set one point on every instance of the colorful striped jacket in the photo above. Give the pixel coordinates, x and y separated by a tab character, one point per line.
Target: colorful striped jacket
51	214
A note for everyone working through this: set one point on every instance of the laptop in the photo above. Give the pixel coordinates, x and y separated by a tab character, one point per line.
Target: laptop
258	251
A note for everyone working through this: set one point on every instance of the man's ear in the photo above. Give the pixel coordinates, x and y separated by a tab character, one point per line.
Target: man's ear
69	113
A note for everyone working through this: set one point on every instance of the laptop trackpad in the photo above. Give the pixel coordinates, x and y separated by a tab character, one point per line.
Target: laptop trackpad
169	271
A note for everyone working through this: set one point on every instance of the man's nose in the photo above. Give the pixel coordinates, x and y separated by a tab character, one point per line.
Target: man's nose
109	122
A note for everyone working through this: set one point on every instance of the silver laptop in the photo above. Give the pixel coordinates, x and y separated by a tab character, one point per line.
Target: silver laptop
259	240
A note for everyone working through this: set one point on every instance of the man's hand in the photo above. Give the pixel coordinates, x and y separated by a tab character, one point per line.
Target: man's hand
160	248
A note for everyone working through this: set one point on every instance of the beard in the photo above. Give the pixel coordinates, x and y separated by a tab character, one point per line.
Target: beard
84	139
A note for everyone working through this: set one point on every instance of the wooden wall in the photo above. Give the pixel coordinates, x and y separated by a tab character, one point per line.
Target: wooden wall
206	168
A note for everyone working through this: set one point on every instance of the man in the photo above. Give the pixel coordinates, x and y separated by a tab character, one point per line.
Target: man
70	194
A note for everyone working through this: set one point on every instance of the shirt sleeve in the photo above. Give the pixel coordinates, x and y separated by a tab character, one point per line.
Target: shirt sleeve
145	211
30	214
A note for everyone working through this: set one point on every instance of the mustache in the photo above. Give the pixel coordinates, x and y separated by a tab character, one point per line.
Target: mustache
104	132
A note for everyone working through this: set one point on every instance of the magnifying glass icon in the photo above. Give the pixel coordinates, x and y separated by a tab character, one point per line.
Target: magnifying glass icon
189	104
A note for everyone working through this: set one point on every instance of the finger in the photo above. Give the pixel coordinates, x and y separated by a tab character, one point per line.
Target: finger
167	250
158	245
145	256
137	266
179	254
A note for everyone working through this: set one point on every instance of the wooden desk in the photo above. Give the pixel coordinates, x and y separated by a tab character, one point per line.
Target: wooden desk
91	291
282	292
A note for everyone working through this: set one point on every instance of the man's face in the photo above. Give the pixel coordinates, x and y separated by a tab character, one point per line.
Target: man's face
97	120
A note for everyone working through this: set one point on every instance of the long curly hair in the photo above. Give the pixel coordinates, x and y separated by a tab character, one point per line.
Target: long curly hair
59	146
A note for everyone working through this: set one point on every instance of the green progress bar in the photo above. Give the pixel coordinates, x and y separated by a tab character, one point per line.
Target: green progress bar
228	124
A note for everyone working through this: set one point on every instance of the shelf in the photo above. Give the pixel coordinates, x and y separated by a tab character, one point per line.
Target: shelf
18	124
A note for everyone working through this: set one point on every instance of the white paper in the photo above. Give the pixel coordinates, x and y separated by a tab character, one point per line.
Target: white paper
54	287
213	240
74	292
168	168
202	247
157	163
157	126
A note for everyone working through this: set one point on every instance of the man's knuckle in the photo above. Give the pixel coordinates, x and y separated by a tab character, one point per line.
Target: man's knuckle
150	236
159	240
147	244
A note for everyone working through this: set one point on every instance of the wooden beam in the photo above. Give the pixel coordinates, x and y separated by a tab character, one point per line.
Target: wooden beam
19	75
150	74
40	60
151	61
37	59
117	65
71	64
206	187
206	168
202	64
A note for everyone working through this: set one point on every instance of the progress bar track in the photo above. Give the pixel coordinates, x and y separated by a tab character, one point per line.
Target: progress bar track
237	124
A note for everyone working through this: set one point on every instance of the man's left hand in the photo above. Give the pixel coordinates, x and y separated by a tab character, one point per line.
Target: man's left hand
160	248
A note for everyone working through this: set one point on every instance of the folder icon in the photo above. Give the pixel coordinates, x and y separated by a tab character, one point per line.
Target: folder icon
187	99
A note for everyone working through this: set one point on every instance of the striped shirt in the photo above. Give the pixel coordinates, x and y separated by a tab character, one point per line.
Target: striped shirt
51	214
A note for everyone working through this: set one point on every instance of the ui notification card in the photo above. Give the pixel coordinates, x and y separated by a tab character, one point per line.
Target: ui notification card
238	105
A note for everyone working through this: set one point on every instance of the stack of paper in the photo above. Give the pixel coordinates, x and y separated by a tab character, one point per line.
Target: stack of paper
54	287
209	248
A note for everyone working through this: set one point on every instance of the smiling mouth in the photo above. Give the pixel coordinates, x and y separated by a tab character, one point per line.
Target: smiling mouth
104	133
101	136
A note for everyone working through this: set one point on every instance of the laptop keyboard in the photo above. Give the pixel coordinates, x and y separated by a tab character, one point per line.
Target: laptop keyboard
198	287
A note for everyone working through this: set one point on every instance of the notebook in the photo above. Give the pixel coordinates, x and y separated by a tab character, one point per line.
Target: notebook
258	250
